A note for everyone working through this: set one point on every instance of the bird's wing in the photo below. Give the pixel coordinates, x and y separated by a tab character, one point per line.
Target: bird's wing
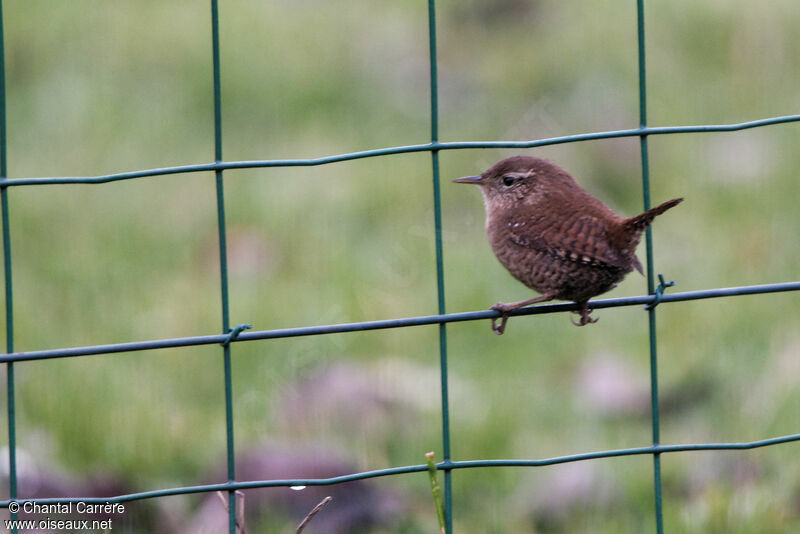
583	239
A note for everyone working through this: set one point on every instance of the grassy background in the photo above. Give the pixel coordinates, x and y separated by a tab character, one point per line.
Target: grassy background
99	87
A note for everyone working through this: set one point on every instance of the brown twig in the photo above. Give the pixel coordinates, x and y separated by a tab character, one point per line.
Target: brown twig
312	513
239	509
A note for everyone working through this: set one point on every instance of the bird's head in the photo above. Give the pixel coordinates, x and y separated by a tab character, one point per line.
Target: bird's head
518	179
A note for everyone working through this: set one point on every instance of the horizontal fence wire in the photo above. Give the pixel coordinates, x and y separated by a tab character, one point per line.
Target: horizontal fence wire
392	323
460	464
235	335
423	147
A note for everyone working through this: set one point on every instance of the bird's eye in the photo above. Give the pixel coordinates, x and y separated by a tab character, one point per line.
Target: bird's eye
508	180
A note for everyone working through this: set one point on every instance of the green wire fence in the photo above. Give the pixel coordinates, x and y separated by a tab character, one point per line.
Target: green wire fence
235	335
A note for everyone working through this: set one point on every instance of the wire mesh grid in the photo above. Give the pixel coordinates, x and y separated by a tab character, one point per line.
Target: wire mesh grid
237	334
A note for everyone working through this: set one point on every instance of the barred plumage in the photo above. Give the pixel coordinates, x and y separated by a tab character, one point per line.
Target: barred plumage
555	237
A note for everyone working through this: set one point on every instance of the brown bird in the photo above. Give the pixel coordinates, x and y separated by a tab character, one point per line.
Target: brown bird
555	237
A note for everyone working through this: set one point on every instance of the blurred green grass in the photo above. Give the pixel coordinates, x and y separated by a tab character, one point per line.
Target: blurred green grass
99	87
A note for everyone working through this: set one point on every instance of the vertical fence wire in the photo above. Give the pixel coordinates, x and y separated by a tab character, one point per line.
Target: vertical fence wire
437	217
223	266
10	393
651	313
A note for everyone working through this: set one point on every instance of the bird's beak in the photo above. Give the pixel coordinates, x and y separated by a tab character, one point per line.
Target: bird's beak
474	180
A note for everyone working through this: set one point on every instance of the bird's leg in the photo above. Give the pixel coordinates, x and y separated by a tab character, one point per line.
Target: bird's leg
506	309
584	313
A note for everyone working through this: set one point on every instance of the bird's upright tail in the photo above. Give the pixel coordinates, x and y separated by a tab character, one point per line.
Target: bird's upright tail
643	220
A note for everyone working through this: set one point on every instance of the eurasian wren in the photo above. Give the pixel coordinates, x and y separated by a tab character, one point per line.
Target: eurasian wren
555	237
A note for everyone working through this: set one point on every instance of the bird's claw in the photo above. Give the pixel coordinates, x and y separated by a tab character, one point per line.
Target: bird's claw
585	318
504	311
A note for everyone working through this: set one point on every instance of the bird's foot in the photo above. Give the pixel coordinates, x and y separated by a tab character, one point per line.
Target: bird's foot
585	317
504	310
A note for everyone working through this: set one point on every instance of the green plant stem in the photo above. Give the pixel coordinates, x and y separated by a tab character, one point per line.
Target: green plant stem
436	490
